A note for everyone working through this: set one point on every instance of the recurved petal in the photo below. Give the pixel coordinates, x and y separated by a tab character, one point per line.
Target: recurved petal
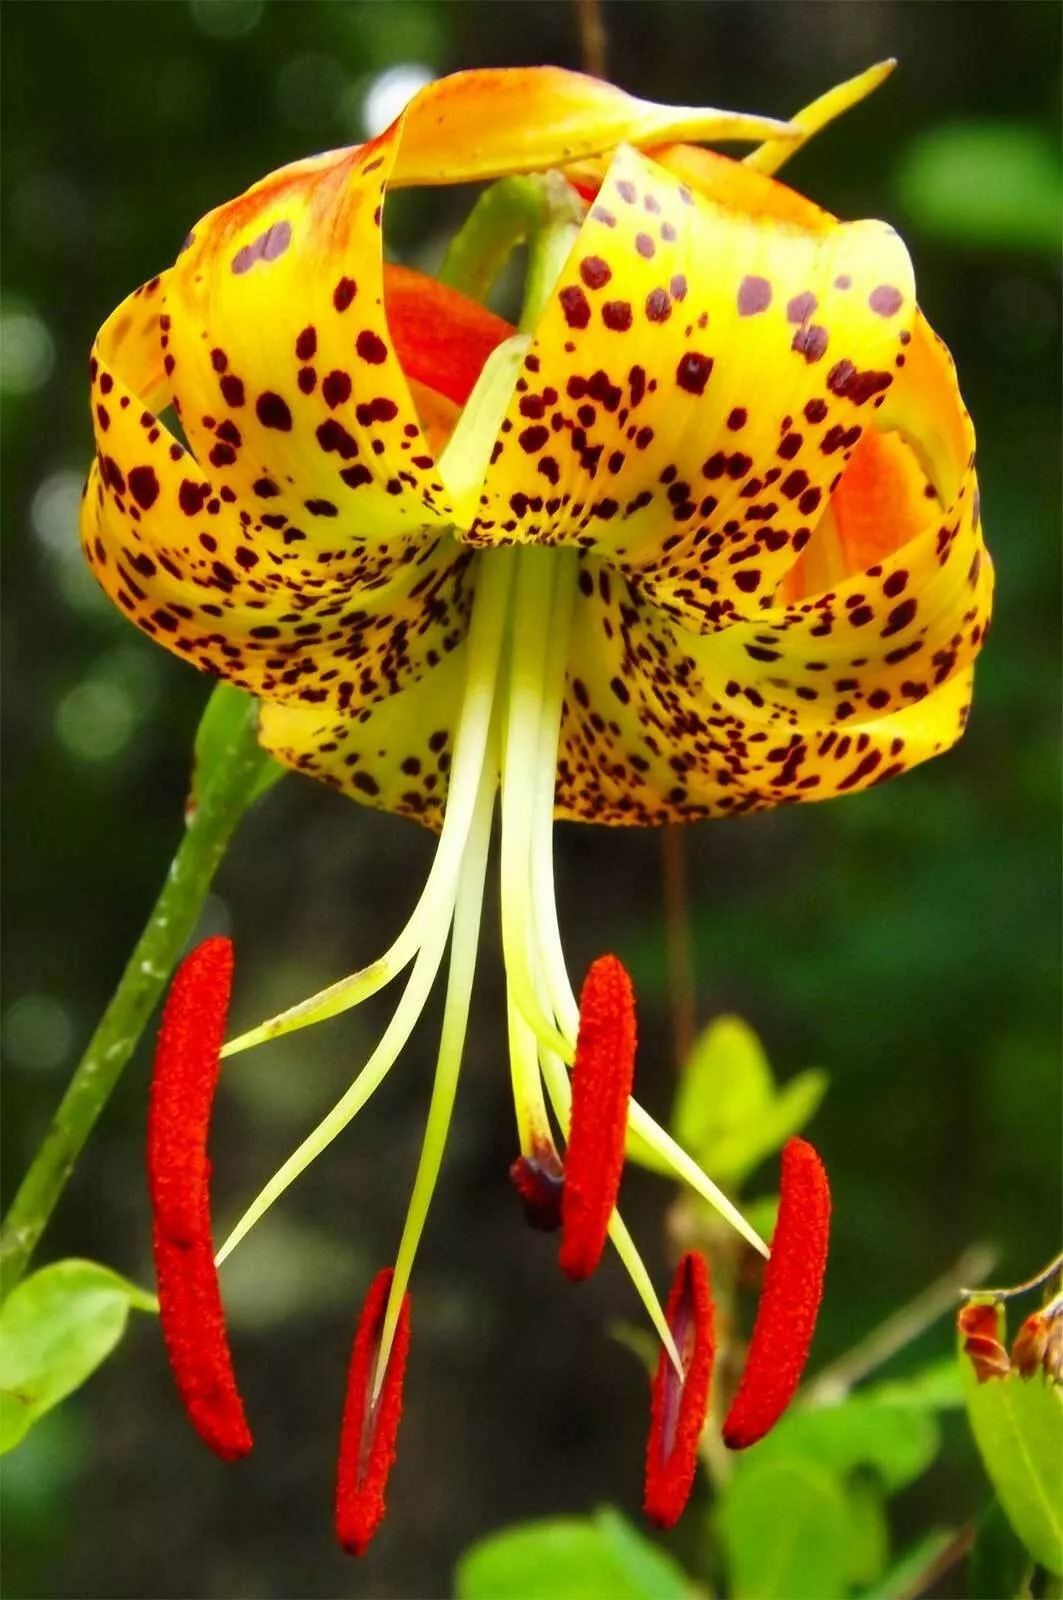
493	121
696	385
198	573
285	368
654	732
890	634
395	754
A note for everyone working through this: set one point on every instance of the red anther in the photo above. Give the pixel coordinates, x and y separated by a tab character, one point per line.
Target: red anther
981	1322
789	1300
602	1076
182	1092
1030	1344
367	1437
679	1405
539	1182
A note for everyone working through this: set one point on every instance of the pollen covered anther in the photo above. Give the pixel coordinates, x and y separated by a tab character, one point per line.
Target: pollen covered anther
602	1076
369	1430
789	1301
182	1093
679	1404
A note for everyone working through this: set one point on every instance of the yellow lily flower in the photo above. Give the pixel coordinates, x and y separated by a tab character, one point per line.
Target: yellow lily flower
701	537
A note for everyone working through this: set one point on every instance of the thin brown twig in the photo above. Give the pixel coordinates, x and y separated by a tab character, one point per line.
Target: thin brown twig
677	935
898	1330
592	37
943	1561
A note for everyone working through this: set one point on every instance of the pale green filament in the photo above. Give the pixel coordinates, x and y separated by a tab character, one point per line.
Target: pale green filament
560	1092
540	571
533	1123
464	939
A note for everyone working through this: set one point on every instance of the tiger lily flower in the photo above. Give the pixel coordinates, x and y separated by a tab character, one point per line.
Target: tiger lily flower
700	537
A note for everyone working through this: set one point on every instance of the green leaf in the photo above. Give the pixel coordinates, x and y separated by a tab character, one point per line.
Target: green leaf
915	1565
897	1442
783	1527
727	1112
55	1330
867	1534
999	1563
935	1387
1018	1427
996	184
578	1558
229	717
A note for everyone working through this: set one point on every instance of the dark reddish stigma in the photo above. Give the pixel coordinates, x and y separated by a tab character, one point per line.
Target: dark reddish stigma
789	1301
679	1404
182	1093
367	1437
602	1076
539	1181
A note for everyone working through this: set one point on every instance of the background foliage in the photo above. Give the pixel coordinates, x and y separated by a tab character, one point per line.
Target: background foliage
907	941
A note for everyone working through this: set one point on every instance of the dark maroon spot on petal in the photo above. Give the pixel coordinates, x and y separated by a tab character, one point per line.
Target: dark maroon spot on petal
658	305
533	438
335	389
306	344
344	293
737	419
307	380
899	617
693	371
355	476
809	501
219	360
595	272
144	486
616	314
371	347
265	488
232	389
811	341
190	497
815	410
886	300
575	306
321	508
273	412
754	295
801	307
895	584
678	287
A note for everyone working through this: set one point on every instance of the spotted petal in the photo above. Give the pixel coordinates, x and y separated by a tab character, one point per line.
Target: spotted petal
689	425
652	733
234	592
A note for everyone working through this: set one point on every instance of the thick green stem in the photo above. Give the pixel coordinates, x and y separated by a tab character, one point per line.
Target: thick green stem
238	772
542	211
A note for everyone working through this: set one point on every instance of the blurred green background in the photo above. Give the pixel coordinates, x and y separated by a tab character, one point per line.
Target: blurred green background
907	940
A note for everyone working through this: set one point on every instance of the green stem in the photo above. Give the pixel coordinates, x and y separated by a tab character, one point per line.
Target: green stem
239	772
542	211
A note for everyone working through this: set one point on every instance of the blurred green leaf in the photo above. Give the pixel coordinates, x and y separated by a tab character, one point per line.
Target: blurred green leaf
896	1442
905	1574
55	1330
580	1558
727	1111
867	1534
229	717
996	184
999	1563
1018	1427
783	1526
935	1387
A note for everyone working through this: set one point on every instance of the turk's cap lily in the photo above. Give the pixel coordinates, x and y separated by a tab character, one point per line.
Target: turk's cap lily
701	536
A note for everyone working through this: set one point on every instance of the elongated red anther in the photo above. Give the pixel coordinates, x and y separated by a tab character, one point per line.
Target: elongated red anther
789	1301
602	1075
182	1094
367	1437
679	1405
